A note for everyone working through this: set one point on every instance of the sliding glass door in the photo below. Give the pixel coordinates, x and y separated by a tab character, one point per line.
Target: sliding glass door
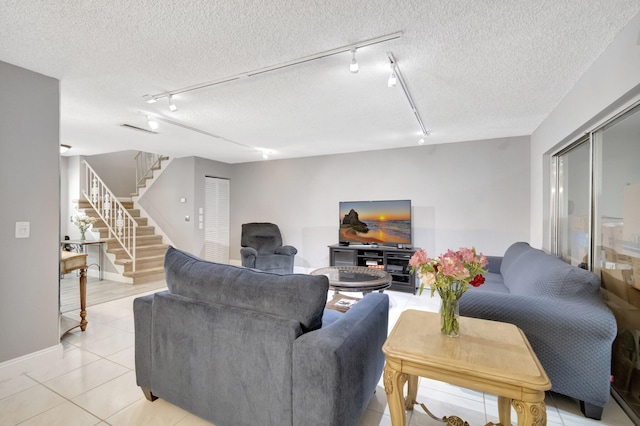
596	209
573	203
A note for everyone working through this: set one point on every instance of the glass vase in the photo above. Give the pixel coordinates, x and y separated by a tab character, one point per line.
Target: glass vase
82	236
449	313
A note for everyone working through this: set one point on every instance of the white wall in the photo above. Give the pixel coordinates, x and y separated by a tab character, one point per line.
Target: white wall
30	187
608	86
463	194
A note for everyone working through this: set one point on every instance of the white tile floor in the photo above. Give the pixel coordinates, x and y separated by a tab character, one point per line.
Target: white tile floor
95	384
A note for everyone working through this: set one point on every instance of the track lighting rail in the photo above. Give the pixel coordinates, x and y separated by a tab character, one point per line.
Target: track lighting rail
276	67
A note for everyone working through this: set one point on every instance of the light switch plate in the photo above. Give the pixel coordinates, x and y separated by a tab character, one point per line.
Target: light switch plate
23	229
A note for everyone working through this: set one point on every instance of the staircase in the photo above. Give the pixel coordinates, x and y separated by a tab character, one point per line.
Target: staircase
131	244
149	249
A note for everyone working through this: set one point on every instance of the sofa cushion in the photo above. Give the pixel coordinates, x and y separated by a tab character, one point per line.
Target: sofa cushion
493	282
296	296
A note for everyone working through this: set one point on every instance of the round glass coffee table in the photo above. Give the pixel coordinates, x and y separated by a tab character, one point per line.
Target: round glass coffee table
355	278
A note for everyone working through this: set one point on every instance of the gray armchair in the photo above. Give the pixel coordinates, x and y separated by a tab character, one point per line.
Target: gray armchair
262	249
240	347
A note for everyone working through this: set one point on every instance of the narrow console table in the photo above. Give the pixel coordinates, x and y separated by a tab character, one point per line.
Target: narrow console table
80	246
70	261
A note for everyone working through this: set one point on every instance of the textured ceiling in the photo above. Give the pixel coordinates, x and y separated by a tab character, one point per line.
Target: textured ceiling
476	69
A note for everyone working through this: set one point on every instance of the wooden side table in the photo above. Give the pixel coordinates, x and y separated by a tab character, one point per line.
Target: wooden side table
488	356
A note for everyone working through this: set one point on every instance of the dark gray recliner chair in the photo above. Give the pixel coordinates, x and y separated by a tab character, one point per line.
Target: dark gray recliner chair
262	249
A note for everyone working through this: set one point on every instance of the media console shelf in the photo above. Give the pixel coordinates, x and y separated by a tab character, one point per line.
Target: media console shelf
393	260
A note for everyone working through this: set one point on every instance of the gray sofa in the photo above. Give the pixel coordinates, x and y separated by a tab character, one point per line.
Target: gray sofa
237	346
560	309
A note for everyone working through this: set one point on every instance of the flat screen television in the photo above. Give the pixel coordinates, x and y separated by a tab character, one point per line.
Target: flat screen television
375	222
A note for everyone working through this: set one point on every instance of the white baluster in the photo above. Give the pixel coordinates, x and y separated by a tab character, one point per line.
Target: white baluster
94	190
119	223
106	207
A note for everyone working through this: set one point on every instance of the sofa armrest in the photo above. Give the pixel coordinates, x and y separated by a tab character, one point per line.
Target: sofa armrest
248	256
288	250
142	323
336	368
494	264
572	338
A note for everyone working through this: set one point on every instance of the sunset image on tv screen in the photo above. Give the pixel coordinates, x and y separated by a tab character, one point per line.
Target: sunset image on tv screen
376	221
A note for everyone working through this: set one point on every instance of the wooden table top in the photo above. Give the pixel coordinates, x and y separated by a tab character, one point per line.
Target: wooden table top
486	352
70	261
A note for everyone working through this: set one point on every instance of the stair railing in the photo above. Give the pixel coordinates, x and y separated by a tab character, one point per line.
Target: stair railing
146	162
122	226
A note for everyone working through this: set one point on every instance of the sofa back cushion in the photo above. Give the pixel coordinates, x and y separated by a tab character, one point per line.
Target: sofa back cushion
513	252
536	273
299	297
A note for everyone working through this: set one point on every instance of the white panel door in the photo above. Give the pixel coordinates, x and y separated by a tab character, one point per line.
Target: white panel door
216	219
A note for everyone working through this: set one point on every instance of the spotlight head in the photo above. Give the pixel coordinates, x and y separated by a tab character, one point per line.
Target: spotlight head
172	106
149	99
354	63
393	80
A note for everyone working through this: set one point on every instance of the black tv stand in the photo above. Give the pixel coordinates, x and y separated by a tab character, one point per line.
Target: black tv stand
391	259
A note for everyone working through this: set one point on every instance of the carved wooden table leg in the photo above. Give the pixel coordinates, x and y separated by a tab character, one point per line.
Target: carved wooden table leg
83	299
394	387
412	392
530	413
504	410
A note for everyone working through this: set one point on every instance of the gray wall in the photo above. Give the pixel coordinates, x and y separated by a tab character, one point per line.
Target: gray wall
182	178
29	184
463	194
117	170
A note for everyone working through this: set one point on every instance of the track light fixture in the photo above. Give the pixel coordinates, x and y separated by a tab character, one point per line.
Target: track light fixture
421	141
393	80
265	152
172	105
153	124
150	99
396	77
354	63
276	67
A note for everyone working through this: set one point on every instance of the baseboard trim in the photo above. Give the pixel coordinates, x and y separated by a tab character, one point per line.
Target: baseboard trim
112	276
17	366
